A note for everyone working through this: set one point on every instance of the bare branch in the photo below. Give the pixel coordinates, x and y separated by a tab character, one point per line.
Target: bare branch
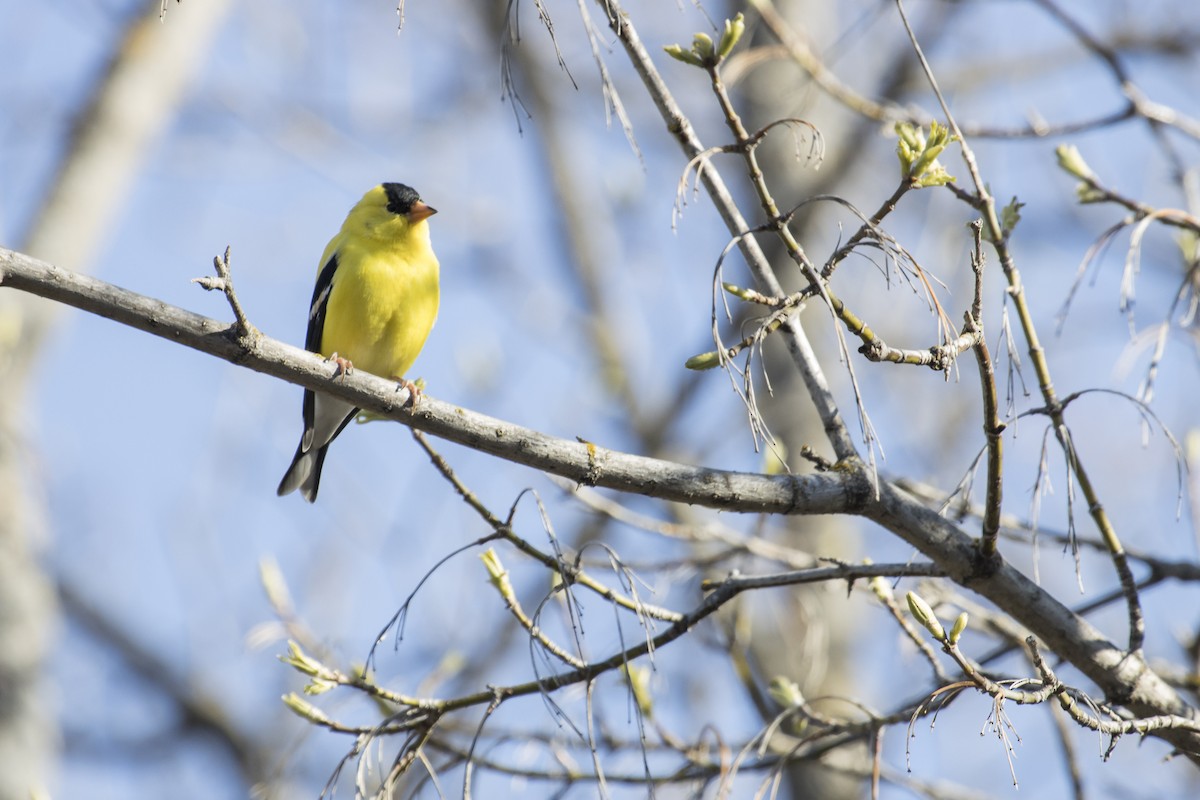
583	462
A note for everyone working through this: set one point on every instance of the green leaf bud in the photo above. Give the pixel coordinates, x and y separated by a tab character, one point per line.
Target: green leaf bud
686	56
1071	161
702	47
734	28
960	625
786	692
924	615
305	709
638	679
703	361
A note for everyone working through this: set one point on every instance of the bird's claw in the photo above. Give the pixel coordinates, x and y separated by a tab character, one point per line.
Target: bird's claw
414	391
344	366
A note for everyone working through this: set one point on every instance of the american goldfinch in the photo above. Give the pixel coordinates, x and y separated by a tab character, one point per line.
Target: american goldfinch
374	303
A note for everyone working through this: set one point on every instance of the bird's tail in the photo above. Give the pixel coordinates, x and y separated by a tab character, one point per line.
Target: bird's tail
304	473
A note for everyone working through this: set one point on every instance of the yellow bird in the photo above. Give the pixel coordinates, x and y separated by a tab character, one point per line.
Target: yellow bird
374	304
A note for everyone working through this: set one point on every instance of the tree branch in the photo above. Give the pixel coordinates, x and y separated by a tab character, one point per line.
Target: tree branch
795	339
581	461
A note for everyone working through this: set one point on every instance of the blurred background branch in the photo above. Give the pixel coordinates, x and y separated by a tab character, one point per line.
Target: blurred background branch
134	99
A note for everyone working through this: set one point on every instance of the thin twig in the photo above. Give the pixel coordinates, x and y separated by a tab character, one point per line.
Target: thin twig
997	235
247	334
992	426
504	531
677	123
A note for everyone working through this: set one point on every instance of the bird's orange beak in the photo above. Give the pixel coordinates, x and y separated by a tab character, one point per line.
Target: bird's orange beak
420	211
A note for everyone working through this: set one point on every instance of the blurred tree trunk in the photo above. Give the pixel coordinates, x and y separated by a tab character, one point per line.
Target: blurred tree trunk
133	102
810	639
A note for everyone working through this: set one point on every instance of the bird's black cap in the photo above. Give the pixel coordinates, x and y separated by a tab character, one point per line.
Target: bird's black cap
400	197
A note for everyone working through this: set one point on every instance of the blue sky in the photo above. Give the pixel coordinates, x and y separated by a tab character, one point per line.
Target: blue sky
159	464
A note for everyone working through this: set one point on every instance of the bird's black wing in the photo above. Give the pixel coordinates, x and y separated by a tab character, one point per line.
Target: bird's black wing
320	303
316	328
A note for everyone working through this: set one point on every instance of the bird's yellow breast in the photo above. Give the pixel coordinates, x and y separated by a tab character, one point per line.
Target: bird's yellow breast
382	303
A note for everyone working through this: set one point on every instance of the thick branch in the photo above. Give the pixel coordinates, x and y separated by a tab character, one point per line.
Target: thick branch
1125	677
583	462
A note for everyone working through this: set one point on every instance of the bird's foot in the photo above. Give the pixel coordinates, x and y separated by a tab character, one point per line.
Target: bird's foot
415	388
344	366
